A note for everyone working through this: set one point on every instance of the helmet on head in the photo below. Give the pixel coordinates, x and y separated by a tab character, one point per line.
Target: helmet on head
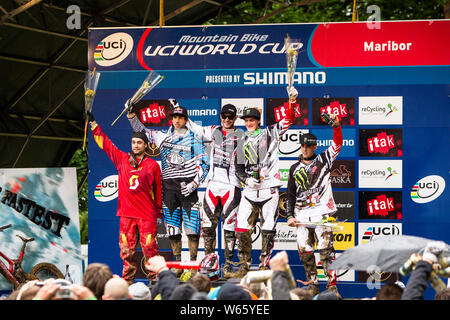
210	266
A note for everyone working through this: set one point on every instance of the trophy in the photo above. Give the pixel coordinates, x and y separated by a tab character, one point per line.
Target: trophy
151	81
291	47
90	87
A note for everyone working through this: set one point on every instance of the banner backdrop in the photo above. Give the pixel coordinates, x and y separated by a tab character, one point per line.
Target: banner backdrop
41	203
389	85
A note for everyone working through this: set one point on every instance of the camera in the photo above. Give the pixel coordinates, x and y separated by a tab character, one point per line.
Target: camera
64	291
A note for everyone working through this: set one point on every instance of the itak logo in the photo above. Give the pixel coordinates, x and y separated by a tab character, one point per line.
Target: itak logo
113	49
107	189
381	143
427	189
337	108
380	206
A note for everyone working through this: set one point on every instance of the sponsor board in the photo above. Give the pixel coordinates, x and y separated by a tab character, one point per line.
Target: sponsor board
380	110
289	145
285	165
345	204
276	109
342	174
380	174
113	49
345	238
243	103
380	205
325	140
370	231
342	107
204	112
107	189
380	142
427	189
154	113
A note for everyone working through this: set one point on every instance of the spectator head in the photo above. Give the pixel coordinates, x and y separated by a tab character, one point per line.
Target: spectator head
443	295
116	289
201	282
139	291
389	291
183	292
230	291
95	278
302	293
326	295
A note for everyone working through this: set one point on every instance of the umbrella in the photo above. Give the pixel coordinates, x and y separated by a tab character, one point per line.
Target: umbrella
387	253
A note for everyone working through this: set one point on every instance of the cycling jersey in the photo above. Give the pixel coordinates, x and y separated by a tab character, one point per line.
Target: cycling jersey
182	156
309	193
223	145
258	152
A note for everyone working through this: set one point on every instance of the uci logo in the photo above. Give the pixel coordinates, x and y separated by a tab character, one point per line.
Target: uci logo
107	189
427	189
113	49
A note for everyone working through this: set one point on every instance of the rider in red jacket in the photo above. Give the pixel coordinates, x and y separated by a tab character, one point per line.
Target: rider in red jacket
139	201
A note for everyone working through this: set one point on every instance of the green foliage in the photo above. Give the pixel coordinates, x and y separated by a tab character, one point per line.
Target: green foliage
248	12
79	160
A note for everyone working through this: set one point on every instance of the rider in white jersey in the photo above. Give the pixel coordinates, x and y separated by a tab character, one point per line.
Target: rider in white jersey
310	201
257	167
223	193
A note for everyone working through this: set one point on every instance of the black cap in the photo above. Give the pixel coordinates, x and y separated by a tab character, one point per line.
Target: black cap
308	139
229	108
140	135
179	111
251	112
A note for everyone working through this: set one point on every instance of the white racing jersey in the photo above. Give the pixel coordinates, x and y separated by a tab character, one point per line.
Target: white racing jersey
183	157
223	146
258	152
309	192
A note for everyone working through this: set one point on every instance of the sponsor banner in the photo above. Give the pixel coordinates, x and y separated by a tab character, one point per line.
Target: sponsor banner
107	189
380	110
370	231
41	203
285	165
342	275
345	204
289	145
345	238
113	49
325	139
276	109
342	107
380	205
380	142
282	205
154	113
243	103
427	189
205	112
410	43
380	173
343	174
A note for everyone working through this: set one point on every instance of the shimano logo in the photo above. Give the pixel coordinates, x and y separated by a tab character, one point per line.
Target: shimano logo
202	112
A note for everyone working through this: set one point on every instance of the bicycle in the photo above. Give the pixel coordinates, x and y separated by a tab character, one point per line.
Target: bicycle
14	272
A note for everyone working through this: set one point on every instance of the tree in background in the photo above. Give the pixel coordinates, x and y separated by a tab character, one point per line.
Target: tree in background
303	11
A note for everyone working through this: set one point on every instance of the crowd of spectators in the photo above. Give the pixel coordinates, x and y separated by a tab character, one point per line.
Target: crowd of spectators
99	283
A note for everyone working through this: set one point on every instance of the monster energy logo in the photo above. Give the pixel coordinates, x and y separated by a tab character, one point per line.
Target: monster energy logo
250	153
302	178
